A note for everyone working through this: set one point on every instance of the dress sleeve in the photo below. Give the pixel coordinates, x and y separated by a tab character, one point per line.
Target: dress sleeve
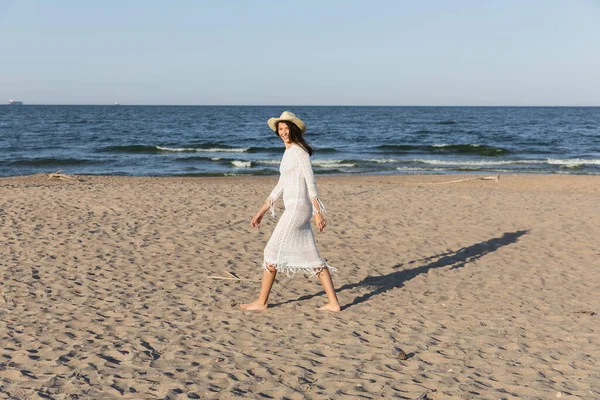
311	183
275	195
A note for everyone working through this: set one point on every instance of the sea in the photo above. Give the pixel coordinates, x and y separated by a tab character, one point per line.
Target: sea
235	140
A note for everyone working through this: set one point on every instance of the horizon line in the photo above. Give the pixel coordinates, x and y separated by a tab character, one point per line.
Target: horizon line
287	105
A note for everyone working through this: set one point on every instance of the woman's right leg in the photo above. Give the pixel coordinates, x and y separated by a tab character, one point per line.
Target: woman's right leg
265	289
333	304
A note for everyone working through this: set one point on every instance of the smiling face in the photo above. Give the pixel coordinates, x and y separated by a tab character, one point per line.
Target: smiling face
284	133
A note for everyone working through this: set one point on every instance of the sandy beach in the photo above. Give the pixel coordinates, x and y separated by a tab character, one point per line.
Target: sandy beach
489	288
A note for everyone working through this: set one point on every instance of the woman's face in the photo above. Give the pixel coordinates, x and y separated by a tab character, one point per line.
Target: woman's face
284	133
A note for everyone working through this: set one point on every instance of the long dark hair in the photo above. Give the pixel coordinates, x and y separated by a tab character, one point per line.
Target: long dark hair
296	136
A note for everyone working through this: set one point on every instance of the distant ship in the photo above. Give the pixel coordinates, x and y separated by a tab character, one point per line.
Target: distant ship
15	103
117	103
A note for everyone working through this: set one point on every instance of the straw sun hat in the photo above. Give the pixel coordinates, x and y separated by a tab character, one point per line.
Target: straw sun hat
287	116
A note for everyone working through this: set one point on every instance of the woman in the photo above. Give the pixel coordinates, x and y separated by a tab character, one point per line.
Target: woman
292	246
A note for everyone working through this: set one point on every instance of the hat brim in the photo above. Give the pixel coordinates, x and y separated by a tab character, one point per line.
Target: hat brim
272	122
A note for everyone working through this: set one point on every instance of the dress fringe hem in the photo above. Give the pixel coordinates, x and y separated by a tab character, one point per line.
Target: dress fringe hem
290	270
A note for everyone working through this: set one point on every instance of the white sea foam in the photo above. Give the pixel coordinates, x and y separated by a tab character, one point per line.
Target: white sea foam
332	164
573	163
383	160
434	169
212	150
241	164
216	158
181	149
420	169
269	162
218	149
476	163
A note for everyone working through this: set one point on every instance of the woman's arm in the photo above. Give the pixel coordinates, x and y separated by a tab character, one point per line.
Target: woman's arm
317	206
318	211
260	214
268	204
275	193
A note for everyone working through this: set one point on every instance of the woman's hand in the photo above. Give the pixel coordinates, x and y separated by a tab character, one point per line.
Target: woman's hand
256	220
320	221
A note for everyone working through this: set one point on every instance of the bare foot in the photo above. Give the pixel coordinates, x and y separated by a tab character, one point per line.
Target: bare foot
254	306
330	307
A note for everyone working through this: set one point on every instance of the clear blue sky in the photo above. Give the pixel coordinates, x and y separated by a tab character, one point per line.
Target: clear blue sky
305	52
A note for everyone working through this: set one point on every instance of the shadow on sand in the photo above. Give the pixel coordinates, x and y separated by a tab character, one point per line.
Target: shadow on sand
455	259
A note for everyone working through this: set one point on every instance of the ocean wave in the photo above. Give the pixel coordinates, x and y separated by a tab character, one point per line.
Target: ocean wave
330	171
265	150
317	163
469	148
250	172
574	163
447	123
237	173
280	149
421	169
176	149
137	149
40	162
241	164
333	164
399	147
475	169
478	149
325	150
475	162
192	159
268	162
128	149
383	160
205	150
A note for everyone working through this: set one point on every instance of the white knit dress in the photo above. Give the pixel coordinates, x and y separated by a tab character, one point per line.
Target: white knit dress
292	245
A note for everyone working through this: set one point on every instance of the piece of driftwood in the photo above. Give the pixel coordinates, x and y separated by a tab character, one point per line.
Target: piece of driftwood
482	178
232	275
59	175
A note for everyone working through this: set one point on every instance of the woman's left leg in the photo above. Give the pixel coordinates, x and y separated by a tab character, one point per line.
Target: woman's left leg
265	289
333	304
